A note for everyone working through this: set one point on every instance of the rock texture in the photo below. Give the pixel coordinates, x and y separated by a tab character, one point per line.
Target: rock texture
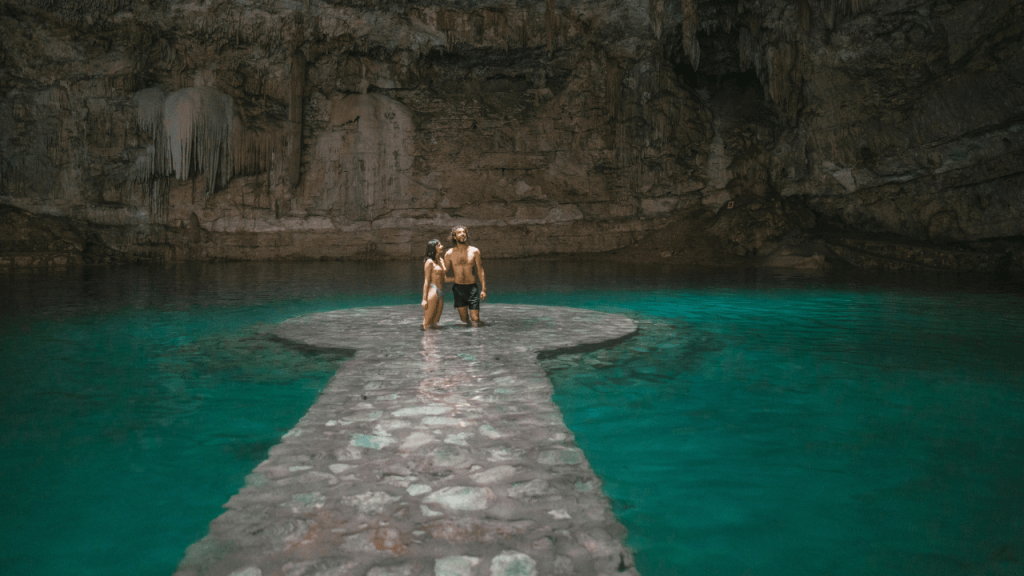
430	453
855	131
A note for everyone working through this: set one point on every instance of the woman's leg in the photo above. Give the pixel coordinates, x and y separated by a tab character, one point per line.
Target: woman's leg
429	313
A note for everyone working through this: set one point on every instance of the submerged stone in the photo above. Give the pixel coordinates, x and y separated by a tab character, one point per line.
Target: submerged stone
427	512
403	570
489	431
455	566
372	502
496	474
458	439
531	489
568	456
505	454
441	421
367	441
584	487
512	563
451	457
339	468
385	427
462	497
421	411
417	489
309	501
416	440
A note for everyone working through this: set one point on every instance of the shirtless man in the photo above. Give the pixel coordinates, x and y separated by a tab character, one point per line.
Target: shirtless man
463	261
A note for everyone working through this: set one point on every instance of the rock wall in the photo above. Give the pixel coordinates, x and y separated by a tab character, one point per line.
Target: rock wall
864	130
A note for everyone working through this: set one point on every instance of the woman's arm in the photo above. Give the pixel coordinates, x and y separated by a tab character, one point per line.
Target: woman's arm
427	268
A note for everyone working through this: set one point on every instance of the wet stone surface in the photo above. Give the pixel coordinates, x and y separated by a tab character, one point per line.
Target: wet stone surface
432	452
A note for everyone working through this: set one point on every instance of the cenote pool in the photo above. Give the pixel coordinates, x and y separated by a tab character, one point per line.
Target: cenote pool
758	423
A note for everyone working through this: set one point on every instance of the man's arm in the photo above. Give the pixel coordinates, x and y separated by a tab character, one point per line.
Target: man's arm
448	266
480	273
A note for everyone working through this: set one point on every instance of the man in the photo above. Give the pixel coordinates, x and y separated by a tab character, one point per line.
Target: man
463	261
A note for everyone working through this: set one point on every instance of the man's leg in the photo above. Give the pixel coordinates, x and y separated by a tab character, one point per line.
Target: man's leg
440	308
474	303
461	301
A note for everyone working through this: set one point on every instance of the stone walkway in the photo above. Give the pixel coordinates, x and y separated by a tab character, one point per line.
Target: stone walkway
432	452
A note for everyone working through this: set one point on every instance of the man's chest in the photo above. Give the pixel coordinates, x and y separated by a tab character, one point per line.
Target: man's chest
460	258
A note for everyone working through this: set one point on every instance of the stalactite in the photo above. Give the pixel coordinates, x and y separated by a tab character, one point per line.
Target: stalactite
54	97
690	24
551	24
253	148
158	204
829	13
191	130
646	77
53	103
145	166
657	16
198	122
804	10
524	27
749	54
197	131
149	112
834	9
613	86
624	144
296	81
496	24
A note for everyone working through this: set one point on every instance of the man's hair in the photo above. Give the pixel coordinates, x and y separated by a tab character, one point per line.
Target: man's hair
455	228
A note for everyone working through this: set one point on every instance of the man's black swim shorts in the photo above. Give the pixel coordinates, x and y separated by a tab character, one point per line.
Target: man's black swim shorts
467	295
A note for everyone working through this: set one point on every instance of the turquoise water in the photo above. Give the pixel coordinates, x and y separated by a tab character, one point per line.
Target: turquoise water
801	431
756	424
135	401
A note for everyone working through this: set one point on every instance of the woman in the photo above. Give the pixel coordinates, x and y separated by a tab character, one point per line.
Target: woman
433	281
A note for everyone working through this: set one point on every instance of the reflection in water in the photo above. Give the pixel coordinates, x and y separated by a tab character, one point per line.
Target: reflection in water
448	374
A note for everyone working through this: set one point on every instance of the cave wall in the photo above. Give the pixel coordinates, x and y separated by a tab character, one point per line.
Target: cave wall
912	123
362	129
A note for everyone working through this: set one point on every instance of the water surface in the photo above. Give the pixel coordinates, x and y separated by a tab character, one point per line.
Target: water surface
758	423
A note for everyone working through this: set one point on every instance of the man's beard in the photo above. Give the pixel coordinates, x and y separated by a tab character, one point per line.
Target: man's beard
457	241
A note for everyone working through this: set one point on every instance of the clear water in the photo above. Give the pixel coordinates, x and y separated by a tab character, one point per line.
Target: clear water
756	425
808	431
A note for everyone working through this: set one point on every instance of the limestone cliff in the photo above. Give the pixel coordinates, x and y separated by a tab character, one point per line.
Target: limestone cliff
794	131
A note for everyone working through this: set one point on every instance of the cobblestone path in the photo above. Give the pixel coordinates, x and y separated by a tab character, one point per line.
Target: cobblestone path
432	452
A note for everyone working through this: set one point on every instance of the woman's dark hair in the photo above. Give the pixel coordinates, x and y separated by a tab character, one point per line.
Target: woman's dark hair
452	235
432	249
